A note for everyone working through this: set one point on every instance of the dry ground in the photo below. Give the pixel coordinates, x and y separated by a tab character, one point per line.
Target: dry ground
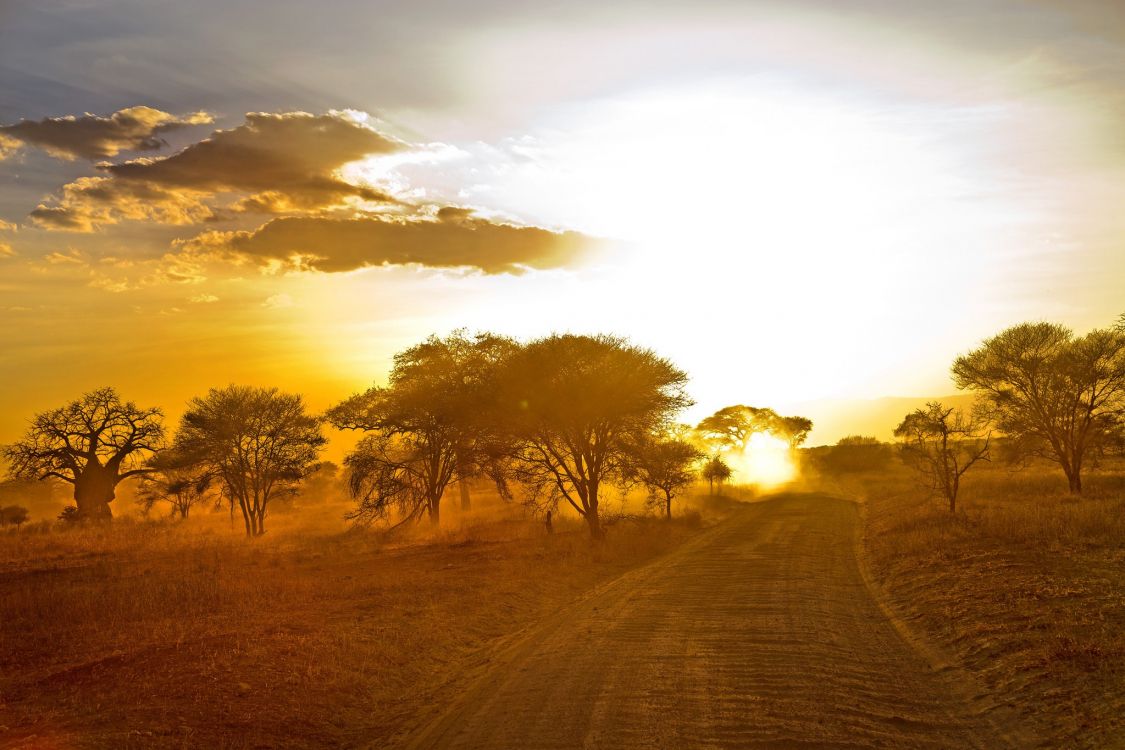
162	635
1025	587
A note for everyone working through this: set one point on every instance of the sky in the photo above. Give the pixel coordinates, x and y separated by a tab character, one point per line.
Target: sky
801	203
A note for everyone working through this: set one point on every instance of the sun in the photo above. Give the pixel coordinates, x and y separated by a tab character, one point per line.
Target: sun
766	462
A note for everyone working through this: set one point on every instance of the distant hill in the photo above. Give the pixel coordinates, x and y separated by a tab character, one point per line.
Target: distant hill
837	418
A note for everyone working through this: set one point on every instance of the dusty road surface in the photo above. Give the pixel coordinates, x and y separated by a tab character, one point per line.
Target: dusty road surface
759	633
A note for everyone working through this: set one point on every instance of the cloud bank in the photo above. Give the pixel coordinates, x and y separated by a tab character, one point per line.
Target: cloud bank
94	137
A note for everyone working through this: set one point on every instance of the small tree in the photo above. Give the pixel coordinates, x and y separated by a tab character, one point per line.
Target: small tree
1051	394
664	467
731	427
257	442
794	429
13	515
93	443
176	482
942	444
715	471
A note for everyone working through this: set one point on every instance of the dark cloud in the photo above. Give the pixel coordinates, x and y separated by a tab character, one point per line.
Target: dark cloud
279	163
454	240
94	137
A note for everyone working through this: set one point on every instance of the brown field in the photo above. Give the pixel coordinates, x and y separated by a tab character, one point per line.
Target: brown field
157	634
1025	588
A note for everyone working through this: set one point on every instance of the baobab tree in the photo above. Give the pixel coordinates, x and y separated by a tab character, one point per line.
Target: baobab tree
942	443
573	405
257	442
1052	394
93	443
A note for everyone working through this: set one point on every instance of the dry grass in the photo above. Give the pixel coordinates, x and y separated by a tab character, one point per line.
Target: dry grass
150	634
1025	587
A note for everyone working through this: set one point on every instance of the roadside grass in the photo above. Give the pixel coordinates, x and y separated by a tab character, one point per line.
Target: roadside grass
163	634
1025	586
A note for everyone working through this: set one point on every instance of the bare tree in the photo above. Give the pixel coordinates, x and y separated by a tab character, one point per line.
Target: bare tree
716	470
572	405
663	466
93	443
942	443
176	482
1050	393
257	442
432	425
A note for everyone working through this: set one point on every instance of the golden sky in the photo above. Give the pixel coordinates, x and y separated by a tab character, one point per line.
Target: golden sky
794	201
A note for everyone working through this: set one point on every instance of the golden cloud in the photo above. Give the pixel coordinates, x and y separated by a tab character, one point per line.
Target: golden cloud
94	137
280	162
455	239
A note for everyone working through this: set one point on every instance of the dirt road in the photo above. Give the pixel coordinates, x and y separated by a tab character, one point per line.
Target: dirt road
759	633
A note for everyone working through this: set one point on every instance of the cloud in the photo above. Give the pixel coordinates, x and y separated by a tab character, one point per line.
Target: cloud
279	163
93	137
7	226
278	301
6	250
203	299
455	239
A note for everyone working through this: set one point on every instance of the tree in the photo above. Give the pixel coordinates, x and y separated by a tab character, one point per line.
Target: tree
13	515
854	453
433	424
942	443
715	471
664	466
257	442
93	443
1050	393
573	405
176	482
731	427
793	429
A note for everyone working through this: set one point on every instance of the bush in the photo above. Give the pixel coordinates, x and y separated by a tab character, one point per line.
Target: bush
853	454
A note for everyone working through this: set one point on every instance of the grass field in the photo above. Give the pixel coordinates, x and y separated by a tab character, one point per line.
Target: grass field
159	634
1025	587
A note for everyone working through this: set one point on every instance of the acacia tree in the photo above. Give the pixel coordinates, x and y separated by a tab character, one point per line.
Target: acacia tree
430	426
257	442
93	443
731	427
572	406
176	482
793	429
942	443
1052	394
716	470
663	466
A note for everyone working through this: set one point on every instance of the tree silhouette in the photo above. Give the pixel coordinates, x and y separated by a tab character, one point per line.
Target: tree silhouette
573	405
942	444
793	429
433	424
176	482
257	442
731	427
1052	394
716	470
93	443
663	466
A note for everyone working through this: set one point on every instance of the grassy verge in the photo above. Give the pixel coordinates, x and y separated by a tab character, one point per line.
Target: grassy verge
1025	588
174	635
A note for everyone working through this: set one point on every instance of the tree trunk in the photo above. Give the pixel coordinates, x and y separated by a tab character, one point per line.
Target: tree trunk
466	499
434	506
93	492
668	505
595	524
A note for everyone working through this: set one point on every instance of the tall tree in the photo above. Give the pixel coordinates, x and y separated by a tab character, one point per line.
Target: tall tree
93	443
664	466
573	404
433	424
942	443
1051	393
258	442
